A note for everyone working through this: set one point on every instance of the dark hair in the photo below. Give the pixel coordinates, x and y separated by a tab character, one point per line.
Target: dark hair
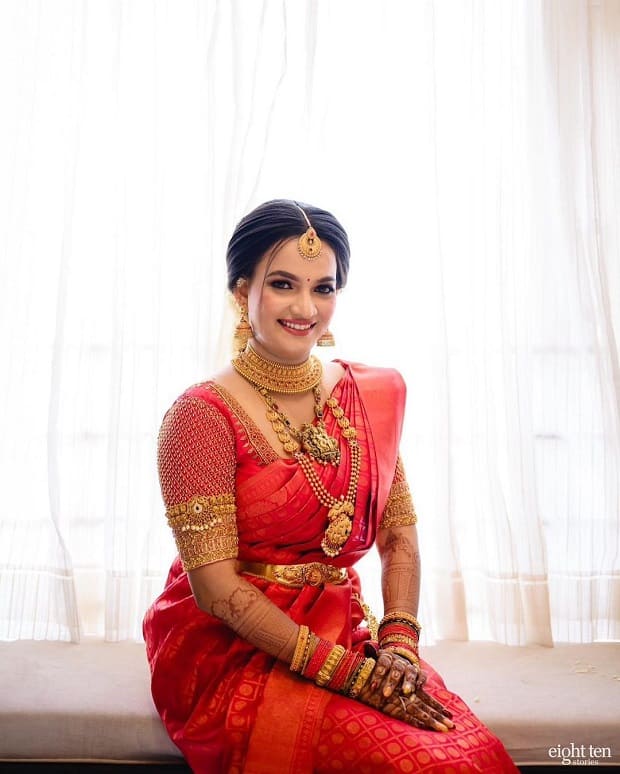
274	222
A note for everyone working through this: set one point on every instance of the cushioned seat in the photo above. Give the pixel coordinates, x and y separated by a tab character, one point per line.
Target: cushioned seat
91	702
537	698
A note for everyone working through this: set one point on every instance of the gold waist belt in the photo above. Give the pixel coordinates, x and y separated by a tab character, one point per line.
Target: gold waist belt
295	575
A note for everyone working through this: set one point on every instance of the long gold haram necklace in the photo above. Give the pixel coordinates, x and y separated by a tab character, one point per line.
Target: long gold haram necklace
311	440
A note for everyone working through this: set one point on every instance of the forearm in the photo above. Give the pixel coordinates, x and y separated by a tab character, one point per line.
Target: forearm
220	591
400	568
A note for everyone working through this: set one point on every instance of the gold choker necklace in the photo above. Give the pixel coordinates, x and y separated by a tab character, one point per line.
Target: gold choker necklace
277	377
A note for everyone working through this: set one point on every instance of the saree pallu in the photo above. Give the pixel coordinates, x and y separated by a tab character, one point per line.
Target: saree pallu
232	708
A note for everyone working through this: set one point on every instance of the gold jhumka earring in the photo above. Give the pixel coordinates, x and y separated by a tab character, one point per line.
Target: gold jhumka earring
326	339
243	330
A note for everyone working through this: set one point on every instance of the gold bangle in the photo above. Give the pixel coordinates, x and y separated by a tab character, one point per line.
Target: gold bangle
399	638
303	637
406	654
311	644
403	616
362	677
352	678
329	666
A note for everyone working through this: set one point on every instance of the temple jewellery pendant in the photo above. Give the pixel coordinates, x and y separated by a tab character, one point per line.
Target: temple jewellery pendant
340	517
316	441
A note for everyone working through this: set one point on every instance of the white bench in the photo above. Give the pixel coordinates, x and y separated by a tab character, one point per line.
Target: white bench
91	702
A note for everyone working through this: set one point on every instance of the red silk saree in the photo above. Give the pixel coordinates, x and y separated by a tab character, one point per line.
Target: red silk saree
230	707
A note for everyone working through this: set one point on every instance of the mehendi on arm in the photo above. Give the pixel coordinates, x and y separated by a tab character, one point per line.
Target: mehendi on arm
397	542
400	568
220	591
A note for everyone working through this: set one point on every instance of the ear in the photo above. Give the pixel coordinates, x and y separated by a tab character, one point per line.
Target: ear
240	292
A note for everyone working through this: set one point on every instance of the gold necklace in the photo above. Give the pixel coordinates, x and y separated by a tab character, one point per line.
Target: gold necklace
278	377
313	439
341	510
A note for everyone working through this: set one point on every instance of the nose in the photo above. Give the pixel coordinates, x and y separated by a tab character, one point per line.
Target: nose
303	305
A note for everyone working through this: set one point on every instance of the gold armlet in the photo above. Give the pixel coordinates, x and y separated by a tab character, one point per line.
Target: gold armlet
205	529
399	510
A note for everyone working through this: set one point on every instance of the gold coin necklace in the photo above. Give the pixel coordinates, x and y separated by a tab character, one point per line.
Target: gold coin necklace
311	440
341	510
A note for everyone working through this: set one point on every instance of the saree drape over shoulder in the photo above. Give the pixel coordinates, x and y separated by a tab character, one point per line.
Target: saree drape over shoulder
228	706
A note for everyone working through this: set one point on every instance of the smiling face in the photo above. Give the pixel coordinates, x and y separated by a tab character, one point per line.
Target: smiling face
290	301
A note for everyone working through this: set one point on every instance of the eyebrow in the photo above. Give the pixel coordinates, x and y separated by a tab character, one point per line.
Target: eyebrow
290	276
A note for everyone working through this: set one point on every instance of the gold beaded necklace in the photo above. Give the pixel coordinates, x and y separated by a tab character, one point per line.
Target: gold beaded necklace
310	440
341	510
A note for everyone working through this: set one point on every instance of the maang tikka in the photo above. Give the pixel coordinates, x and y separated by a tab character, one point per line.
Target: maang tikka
308	244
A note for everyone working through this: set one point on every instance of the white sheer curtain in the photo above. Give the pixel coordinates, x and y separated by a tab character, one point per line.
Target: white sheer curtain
472	151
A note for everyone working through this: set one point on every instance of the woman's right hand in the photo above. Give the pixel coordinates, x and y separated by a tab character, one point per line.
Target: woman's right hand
420	710
395	688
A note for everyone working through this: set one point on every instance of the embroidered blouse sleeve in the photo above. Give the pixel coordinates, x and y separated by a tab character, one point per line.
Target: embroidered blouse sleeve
196	461
399	510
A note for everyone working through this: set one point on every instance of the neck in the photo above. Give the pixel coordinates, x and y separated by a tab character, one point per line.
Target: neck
269	357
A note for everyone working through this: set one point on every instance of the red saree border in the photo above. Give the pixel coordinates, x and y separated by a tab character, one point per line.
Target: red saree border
283	736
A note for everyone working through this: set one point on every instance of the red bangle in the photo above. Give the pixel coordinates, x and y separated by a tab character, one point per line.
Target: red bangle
321	652
392	631
345	669
402	617
398	626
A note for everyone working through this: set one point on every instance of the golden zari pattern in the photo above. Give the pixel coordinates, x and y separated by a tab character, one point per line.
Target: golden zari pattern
205	529
256	440
399	510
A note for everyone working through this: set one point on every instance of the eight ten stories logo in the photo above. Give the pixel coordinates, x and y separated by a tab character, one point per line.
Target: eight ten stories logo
580	754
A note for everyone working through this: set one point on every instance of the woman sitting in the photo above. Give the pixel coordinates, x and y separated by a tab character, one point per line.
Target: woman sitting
278	475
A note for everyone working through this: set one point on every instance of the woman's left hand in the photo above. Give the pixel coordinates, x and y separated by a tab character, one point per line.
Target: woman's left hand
413	679
392	674
396	688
